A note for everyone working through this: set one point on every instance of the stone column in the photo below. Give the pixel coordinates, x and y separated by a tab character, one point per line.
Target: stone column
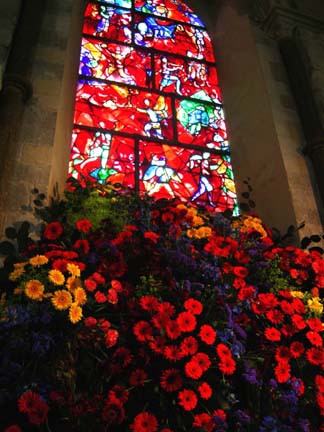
17	88
299	31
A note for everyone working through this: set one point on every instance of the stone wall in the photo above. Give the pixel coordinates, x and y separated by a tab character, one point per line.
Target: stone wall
9	12
43	120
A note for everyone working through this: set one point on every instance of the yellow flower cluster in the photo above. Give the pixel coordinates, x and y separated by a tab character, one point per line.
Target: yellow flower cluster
201	232
197	230
71	296
315	305
17	272
247	223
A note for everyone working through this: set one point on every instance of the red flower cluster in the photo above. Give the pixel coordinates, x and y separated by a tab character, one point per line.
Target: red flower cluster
34	406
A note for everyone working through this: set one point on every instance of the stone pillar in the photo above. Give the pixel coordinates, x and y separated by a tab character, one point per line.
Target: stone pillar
17	88
298	29
9	12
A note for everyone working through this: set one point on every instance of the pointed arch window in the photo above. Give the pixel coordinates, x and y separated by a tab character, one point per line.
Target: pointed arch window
148	110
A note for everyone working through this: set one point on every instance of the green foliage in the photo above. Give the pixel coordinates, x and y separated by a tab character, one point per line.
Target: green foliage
275	276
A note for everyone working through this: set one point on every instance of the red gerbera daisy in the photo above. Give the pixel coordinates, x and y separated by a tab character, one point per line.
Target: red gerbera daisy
172	329
143	331
119	393
193	306
157	344
60	264
315	356
137	377
204	421
149	303
188	399
13	428
314	338
275	316
227	365
193	370
187	321
282	353
298	321
282	371
205	391
171	380
167	308
315	324
272	334
173	353
203	360
223	351
113	412
28	401
83	225
207	334
39	414
189	345
145	422
53	230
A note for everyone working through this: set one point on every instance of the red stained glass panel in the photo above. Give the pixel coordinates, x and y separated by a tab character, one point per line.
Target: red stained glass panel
202	178
173	37
124	109
102	158
115	62
108	22
187	78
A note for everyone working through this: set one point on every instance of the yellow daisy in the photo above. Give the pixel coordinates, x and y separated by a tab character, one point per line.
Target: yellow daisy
56	277
38	260
20	265
62	299
73	283
16	274
75	313
315	305
73	269
80	296
34	289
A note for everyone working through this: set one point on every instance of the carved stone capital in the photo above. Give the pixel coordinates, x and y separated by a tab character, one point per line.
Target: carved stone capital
280	18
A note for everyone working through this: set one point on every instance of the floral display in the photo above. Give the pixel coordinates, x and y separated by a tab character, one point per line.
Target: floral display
131	314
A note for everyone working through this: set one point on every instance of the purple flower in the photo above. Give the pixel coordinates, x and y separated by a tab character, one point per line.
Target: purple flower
250	375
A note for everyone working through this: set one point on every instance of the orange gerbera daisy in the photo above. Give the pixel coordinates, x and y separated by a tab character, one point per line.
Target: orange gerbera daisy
73	269
75	313
14	275
73	283
56	277
62	299
34	289
80	296
38	260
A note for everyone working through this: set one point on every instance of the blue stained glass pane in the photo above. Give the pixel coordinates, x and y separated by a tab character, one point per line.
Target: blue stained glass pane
172	37
169	9
121	3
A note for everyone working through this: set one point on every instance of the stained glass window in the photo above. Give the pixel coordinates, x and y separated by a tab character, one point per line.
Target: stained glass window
148	112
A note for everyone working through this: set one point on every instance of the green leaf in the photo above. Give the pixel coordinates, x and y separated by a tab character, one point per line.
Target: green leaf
11	233
7	248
